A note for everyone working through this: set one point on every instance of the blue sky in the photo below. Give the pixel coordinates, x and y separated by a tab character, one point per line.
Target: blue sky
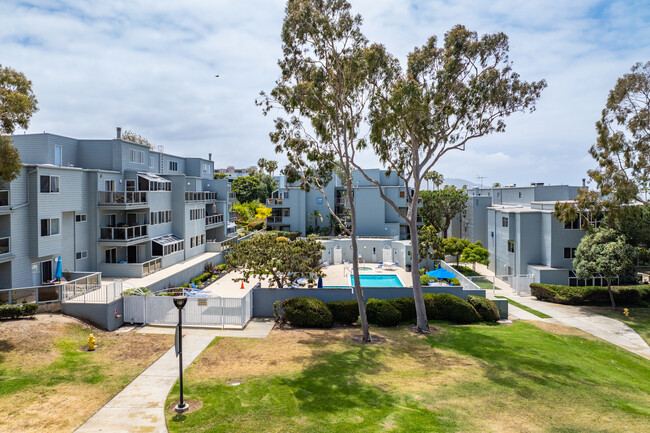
149	66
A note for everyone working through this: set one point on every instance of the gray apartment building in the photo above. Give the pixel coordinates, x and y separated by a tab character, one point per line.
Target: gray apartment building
108	205
291	206
517	226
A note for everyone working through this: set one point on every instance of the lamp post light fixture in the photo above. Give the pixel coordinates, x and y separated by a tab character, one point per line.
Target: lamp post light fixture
179	302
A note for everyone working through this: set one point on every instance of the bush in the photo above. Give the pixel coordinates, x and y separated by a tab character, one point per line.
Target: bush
185	285
382	313
201	278
136	291
485	308
442	306
14	311
468	272
406	307
222	267
306	312
424	279
29	309
344	312
256	225
591	295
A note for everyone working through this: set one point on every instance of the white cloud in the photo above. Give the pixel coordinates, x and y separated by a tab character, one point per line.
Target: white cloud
149	66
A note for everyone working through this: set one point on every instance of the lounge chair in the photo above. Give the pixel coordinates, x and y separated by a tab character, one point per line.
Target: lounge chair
381	265
194	286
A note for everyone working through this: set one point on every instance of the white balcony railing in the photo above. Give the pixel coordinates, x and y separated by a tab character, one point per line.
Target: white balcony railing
273	201
151	266
200	196
126	198
122	233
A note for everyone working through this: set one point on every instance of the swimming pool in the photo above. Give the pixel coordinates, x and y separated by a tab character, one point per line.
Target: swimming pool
364	268
378	281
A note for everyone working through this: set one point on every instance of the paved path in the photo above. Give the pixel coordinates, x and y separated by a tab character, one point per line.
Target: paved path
140	407
605	328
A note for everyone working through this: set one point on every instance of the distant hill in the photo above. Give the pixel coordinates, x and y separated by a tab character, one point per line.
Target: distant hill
453	181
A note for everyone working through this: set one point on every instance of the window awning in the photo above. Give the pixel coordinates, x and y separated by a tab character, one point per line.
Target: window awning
153	177
166	239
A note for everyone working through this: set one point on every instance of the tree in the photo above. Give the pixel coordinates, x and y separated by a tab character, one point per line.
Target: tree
587	206
455	247
604	252
434	177
246	188
268	166
262	212
136	138
246	211
448	96
496	185
17	106
327	72
220	175
475	253
282	261
316	215
431	245
440	207
634	223
622	149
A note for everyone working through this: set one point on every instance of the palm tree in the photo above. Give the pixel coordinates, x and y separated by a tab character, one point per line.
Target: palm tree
435	177
317	215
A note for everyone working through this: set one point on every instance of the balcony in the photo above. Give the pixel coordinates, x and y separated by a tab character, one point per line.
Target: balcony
232	196
122	233
273	201
214	219
131	270
128	198
200	196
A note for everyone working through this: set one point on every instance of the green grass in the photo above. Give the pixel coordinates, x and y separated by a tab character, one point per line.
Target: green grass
461	379
525	308
638	319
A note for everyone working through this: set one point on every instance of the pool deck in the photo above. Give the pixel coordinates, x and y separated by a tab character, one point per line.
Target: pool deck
339	275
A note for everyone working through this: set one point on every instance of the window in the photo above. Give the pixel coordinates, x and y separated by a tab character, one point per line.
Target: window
49	226
286	194
569	253
402	194
196	214
111	255
511	246
58	155
202	239
161	217
192	242
286	212
137	156
81	218
206	168
519	194
82	255
109	185
572	225
173	166
152	163
49	184
504	222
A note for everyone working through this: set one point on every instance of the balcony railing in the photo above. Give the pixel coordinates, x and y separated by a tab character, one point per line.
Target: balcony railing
4	198
151	266
85	283
274	219
122	233
200	196
232	196
213	219
127	198
273	201
5	246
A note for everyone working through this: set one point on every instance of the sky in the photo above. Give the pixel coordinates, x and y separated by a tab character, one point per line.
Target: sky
149	66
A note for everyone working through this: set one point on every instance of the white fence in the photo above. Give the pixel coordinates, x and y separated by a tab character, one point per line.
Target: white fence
204	311
467	283
88	294
520	283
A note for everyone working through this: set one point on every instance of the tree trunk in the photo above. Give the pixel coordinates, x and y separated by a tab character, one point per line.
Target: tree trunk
358	291
611	294
420	308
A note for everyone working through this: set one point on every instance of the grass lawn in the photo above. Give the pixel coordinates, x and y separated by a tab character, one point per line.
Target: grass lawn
478	378
639	318
525	308
49	382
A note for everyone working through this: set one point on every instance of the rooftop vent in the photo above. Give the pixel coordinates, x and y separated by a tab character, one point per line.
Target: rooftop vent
119	132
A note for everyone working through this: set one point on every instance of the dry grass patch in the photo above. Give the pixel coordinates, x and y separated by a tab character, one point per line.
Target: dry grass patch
49	383
559	329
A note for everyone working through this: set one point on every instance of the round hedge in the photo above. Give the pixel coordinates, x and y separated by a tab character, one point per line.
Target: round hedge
344	312
485	308
443	306
382	313
306	312
406	306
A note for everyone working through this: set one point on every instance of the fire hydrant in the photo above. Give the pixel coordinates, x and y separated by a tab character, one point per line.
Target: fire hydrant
626	312
91	342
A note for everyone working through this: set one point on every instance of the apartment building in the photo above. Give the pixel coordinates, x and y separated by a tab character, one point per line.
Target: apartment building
517	226
293	208
109	205
232	173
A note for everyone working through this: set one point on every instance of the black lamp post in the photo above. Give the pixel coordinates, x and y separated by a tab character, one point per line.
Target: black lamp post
179	302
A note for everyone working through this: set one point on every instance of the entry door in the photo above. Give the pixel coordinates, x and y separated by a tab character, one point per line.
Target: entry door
132	254
387	254
132	219
46	271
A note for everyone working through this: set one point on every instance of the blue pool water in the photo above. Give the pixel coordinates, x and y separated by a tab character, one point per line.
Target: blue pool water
378	281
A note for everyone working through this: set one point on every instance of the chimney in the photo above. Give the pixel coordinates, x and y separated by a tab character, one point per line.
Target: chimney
209	157
119	132
584	182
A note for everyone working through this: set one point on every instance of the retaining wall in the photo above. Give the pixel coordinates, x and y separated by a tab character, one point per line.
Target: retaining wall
102	315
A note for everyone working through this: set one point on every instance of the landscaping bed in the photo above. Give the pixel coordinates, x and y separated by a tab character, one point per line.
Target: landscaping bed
50	382
471	378
638	295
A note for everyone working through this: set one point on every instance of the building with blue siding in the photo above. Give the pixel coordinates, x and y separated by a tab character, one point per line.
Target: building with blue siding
109	205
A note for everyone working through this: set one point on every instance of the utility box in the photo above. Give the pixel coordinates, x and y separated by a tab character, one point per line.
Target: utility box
502	305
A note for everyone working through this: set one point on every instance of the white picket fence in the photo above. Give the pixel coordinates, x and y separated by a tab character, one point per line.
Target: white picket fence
205	311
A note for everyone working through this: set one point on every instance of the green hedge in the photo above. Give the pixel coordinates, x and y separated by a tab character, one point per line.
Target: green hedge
304	312
442	306
201	278
382	312
468	272
485	308
591	295
14	311
344	312
406	306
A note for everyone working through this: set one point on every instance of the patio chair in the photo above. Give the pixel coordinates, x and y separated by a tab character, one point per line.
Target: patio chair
381	265
194	286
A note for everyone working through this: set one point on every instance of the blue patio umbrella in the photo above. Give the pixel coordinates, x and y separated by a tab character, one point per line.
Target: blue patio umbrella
320	282
59	273
441	273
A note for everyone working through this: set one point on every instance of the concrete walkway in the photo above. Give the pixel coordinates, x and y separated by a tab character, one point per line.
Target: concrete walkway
140	407
605	328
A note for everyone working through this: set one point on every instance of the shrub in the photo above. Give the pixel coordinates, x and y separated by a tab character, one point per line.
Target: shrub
344	312
424	279
485	308
590	295
185	285
382	313
136	291
10	311
466	271
306	312
256	225
406	307
222	267
201	278
442	306
29	309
